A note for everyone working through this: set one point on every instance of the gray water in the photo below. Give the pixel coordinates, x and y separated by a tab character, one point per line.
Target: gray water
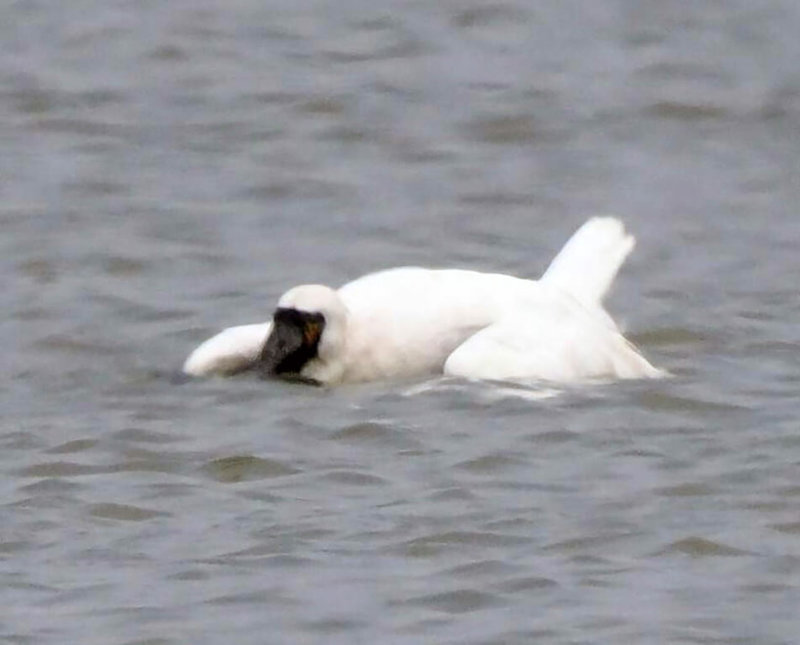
170	168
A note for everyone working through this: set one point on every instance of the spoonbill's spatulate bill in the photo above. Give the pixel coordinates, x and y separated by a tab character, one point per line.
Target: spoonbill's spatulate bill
413	321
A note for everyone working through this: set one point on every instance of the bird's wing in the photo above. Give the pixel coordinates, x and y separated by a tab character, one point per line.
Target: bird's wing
589	261
555	343
233	350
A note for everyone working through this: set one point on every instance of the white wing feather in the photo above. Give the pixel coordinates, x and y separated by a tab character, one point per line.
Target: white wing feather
232	350
564	346
589	261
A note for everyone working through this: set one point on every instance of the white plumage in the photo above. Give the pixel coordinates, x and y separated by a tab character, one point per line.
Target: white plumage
412	321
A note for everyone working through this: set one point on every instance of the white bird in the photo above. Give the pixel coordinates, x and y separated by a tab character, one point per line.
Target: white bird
412	321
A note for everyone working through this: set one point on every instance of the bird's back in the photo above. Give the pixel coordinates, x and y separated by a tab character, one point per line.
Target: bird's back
407	321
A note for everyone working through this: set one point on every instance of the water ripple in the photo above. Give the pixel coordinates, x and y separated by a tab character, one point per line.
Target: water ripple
124	512
699	547
240	468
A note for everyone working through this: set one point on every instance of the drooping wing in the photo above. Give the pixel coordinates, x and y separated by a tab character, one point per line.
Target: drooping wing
558	343
233	350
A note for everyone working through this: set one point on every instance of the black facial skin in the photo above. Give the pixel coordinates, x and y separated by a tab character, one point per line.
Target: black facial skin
293	342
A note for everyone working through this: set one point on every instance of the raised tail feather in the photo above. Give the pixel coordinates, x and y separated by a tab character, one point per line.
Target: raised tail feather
590	259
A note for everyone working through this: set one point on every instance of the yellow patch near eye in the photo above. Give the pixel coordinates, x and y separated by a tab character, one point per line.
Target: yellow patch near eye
311	332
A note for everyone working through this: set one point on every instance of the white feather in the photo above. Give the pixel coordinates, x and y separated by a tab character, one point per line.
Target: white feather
233	350
560	342
589	261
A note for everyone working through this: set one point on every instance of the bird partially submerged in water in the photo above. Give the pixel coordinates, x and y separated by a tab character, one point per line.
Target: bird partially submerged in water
412	321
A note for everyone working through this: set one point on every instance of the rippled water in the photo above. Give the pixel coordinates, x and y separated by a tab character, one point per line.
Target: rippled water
169	169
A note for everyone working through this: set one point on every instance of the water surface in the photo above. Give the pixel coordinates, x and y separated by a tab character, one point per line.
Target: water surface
169	169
